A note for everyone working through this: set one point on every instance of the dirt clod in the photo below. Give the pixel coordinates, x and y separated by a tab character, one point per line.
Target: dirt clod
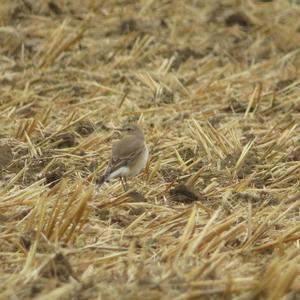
281	84
58	267
137	197
238	18
184	193
128	26
6	156
85	128
54	7
64	140
53	177
136	211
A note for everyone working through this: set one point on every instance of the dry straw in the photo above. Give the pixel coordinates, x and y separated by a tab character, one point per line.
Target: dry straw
215	86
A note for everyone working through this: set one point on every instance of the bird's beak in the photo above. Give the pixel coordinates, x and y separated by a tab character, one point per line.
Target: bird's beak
120	130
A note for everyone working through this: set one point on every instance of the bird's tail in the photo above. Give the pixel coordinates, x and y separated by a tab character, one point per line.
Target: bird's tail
104	178
100	180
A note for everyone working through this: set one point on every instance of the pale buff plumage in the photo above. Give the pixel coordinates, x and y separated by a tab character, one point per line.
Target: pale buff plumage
129	155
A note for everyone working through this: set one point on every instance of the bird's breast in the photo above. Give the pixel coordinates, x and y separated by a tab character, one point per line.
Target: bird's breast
140	162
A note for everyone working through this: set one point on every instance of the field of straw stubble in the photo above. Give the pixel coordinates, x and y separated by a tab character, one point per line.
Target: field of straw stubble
216	87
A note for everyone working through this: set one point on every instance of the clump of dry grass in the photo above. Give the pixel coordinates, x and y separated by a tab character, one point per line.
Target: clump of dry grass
215	86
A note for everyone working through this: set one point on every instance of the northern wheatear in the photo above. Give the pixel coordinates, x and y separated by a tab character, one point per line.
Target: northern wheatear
129	155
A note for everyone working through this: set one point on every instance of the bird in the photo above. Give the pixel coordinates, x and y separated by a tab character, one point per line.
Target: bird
129	155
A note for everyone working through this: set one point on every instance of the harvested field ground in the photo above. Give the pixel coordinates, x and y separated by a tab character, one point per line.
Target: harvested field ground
215	86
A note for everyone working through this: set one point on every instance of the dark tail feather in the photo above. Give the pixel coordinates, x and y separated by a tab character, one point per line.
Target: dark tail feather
104	178
100	180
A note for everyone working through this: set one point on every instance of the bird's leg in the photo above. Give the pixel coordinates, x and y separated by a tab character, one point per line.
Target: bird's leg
126	185
123	184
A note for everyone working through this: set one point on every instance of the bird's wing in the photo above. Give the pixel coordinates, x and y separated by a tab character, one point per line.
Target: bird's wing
123	152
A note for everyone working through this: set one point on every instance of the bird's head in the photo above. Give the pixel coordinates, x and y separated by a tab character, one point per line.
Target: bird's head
132	129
